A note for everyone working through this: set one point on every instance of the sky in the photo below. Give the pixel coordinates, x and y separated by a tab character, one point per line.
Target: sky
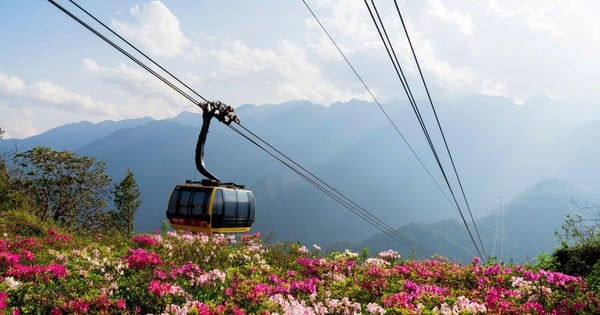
53	71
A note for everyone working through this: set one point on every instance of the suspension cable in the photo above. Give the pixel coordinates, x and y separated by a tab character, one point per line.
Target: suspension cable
136	49
335	194
127	54
377	102
438	124
398	68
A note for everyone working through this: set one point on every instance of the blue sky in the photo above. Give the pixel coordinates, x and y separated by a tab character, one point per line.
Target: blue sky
53	71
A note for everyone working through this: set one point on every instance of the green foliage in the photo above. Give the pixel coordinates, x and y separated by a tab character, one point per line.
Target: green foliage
165	226
4	186
65	187
579	253
578	260
127	200
546	262
11	197
593	278
578	230
22	223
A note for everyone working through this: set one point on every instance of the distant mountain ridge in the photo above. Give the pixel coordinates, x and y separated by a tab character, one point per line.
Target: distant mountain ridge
74	135
519	230
353	147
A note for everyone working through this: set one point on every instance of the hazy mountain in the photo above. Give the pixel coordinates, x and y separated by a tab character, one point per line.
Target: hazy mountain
73	136
519	230
500	150
576	155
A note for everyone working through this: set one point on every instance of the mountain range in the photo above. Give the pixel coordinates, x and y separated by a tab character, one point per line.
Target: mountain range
518	171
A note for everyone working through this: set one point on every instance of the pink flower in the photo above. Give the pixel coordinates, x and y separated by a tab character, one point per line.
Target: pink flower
159	288
203	309
3	297
164	288
7	258
139	258
59	271
27	272
399	299
145	239
55	237
78	306
28	255
120	304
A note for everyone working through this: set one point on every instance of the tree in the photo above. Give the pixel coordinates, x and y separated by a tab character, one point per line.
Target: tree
127	201
579	253
66	187
4	185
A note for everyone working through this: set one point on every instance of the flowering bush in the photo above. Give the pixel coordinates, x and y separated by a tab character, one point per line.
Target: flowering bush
180	273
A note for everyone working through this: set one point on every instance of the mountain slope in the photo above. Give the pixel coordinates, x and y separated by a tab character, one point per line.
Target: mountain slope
73	136
520	230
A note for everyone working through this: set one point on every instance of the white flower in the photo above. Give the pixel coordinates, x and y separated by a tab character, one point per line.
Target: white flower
11	282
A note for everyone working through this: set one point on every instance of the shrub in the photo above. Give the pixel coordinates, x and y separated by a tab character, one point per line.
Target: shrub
578	260
20	222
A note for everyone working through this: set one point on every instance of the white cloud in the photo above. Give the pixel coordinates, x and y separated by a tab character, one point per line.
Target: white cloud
454	17
157	29
51	95
11	84
279	75
18	122
498	10
135	83
494	88
350	25
29	106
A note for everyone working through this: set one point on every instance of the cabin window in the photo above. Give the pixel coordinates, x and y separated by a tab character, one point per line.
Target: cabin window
200	202
183	202
230	199
243	205
217	206
172	208
252	207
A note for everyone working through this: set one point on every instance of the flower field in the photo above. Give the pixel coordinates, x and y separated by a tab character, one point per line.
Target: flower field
178	273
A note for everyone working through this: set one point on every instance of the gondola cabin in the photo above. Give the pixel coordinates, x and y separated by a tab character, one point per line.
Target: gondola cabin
203	208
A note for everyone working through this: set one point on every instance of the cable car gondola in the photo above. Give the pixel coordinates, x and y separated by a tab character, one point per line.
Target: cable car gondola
210	205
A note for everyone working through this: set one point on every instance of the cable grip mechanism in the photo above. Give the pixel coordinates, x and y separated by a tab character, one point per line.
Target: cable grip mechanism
225	114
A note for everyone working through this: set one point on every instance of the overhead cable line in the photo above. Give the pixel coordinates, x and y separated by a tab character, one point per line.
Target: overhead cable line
124	52
337	196
412	49
136	49
415	108
375	100
398	68
301	171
